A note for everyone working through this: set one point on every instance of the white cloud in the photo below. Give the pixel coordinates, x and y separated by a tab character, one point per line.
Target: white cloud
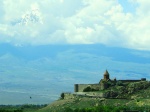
72	22
101	17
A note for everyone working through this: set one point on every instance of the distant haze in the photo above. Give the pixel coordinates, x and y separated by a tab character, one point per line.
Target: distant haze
43	72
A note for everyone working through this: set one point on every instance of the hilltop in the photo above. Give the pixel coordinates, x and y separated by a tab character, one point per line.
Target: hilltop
107	94
136	94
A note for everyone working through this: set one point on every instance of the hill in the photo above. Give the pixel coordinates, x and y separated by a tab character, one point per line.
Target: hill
130	96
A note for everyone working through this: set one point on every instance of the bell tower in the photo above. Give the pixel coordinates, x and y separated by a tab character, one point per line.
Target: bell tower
106	75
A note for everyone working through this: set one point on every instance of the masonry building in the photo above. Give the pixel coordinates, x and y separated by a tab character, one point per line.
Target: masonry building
103	83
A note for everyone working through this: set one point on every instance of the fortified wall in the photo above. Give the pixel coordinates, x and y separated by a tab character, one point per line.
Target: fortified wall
103	84
81	87
83	94
142	79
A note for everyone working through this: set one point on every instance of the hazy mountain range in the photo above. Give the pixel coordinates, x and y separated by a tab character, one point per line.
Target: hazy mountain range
45	71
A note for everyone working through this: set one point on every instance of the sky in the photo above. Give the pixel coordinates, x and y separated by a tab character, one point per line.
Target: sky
121	23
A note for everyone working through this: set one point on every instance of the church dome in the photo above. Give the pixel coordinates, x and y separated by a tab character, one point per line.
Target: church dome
106	73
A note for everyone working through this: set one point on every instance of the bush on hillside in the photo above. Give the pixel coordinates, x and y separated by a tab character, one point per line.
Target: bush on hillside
62	95
119	83
89	89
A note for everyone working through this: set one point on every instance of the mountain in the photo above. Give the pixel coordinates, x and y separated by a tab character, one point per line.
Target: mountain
117	54
33	16
45	71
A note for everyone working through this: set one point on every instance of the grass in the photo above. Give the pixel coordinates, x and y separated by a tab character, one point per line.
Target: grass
21	108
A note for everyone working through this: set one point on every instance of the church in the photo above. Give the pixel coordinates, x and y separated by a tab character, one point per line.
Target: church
103	83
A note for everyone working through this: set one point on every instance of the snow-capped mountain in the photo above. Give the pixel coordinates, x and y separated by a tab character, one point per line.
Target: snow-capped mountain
30	17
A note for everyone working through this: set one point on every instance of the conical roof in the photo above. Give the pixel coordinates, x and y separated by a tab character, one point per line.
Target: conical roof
106	73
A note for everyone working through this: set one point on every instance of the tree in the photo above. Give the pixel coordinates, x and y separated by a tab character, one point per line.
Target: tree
119	83
62	95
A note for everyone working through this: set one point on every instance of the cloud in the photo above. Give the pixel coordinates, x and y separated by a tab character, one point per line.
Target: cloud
76	22
103	18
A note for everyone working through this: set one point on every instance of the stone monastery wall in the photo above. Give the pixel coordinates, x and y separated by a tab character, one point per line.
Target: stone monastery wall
81	87
83	94
129	80
101	85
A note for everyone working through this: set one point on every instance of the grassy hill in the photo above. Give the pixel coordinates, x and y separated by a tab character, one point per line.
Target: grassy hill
133	96
136	96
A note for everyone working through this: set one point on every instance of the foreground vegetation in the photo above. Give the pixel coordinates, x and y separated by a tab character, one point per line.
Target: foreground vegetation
98	105
130	97
21	108
109	109
36	108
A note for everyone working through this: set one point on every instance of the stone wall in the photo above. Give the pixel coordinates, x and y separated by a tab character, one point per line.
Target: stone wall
84	94
103	86
81	87
100	86
142	79
129	80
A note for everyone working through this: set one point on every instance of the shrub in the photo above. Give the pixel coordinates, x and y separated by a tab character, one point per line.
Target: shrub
67	109
119	83
88	89
62	95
